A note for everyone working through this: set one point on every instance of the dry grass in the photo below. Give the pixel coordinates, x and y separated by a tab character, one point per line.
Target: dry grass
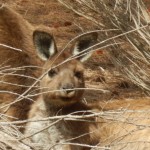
131	21
125	35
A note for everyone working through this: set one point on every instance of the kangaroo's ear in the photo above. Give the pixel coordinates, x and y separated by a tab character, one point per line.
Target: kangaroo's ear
44	44
83	43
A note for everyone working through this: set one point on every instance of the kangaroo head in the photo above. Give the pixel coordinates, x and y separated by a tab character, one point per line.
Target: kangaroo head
63	81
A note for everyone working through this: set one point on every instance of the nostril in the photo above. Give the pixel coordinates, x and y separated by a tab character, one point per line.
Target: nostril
68	88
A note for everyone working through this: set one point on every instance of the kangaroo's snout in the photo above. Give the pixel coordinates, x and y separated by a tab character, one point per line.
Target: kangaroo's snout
67	90
68	87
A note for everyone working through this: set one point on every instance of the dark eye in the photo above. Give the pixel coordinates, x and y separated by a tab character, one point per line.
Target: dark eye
52	73
78	74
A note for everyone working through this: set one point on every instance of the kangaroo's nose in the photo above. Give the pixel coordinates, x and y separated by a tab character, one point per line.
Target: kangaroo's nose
68	87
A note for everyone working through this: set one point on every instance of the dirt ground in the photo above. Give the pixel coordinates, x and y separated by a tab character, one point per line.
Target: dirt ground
65	25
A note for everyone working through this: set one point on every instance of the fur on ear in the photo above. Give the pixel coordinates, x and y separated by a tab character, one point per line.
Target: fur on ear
44	44
83	43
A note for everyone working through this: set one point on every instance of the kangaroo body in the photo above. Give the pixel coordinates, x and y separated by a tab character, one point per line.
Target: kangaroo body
62	87
125	124
19	64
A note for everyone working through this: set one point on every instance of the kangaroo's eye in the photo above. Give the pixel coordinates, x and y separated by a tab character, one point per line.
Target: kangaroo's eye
78	74
52	72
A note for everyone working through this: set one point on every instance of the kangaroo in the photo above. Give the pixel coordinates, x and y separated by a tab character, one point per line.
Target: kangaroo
125	125
18	67
60	95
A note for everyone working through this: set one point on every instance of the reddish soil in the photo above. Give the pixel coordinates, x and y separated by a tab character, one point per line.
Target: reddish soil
65	25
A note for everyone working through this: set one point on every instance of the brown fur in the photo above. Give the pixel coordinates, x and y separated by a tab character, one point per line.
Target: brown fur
55	100
17	33
128	129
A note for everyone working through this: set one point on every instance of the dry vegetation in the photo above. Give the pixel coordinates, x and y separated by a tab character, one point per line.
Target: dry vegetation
120	67
130	22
